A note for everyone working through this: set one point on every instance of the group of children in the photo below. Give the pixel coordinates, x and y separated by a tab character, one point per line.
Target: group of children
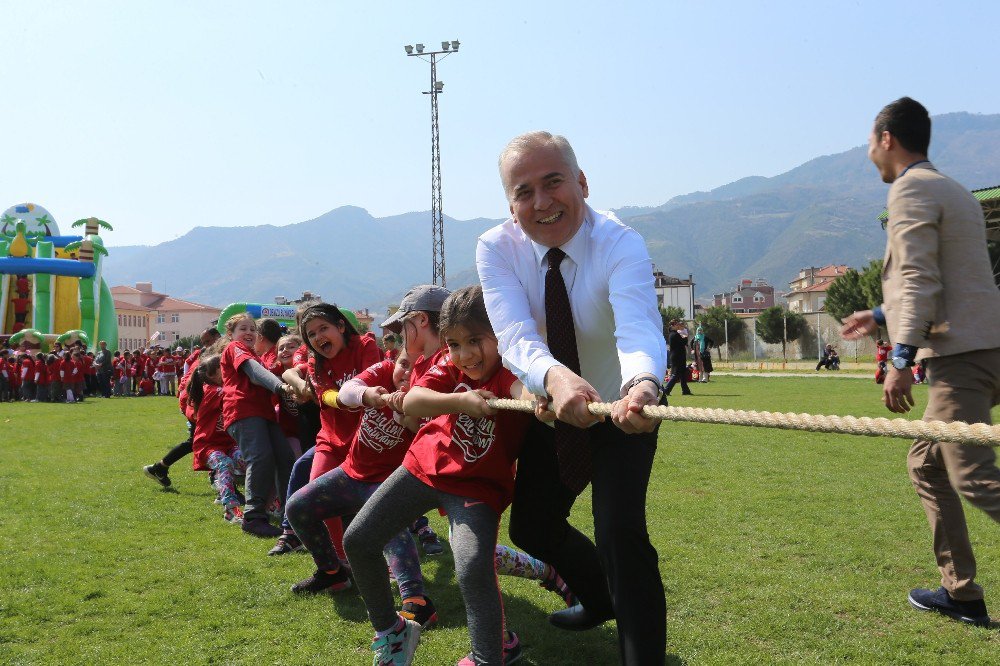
64	375
147	372
351	447
70	374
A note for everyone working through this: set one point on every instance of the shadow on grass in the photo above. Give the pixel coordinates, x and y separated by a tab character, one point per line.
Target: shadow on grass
543	643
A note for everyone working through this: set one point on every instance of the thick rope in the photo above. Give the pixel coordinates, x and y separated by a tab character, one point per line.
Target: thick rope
979	434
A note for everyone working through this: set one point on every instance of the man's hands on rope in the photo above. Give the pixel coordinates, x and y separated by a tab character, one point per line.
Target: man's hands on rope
897	391
571	394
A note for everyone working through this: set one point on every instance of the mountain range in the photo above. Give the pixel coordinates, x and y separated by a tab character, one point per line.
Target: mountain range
821	212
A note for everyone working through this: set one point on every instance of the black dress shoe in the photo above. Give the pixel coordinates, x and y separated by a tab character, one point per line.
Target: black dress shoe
577	618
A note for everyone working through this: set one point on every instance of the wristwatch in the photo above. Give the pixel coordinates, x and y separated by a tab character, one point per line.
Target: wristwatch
901	363
647	378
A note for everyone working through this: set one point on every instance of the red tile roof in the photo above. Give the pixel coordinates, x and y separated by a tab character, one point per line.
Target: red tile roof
122	305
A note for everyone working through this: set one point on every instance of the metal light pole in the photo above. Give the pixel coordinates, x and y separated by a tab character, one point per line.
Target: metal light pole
437	214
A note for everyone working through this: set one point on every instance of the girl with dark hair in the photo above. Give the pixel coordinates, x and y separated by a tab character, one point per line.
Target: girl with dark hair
337	353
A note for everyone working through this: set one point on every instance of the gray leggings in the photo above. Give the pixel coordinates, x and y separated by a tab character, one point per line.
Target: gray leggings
268	458
396	504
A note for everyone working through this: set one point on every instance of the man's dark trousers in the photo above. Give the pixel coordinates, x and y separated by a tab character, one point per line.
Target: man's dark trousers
104	382
624	560
678	373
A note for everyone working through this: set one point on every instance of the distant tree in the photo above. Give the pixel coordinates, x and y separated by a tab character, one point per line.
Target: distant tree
188	342
871	284
845	296
362	328
715	320
776	324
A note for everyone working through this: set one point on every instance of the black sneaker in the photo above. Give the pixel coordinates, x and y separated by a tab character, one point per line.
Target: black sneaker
420	610
287	543
158	473
429	541
323	581
939	601
259	527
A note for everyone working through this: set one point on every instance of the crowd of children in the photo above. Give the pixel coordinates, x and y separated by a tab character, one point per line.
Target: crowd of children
349	446
147	372
63	375
70	374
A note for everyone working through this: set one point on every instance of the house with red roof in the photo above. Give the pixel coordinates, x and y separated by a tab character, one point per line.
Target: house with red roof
144	314
749	297
808	290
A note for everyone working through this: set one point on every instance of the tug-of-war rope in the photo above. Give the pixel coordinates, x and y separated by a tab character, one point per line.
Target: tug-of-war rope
979	434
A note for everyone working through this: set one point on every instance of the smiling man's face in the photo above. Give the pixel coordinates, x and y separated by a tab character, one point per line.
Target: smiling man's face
545	197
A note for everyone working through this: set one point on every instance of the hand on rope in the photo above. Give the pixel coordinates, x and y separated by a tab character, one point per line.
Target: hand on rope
627	413
570	397
980	434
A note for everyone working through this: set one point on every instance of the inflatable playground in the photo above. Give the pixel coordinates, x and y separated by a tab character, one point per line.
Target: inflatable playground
51	286
284	314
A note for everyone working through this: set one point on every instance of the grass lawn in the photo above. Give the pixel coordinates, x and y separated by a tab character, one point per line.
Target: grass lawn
775	547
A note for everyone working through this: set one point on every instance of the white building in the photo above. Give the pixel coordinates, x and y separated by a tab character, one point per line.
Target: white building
674	291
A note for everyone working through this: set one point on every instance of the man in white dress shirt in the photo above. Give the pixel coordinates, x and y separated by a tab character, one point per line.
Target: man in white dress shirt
608	277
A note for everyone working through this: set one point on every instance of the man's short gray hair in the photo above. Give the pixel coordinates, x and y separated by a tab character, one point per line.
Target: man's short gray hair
538	139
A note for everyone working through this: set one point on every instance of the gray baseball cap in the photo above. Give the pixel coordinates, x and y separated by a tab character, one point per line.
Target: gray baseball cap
426	297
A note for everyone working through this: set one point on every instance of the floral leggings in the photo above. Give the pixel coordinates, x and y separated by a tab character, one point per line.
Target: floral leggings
337	494
512	562
225	469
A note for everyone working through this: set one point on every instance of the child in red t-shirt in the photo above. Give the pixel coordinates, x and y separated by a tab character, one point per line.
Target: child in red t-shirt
167	367
27	374
77	376
337	353
212	447
14	372
462	460
288	408
249	417
90	373
882	350
4	376
146	387
375	451
52	368
41	379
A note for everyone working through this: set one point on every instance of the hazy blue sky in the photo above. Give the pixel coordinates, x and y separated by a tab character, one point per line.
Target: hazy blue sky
161	116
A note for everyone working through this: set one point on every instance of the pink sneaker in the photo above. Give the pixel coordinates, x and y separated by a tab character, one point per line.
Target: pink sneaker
512	652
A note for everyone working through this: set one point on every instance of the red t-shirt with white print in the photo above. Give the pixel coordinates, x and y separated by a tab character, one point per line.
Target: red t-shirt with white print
337	426
465	456
380	441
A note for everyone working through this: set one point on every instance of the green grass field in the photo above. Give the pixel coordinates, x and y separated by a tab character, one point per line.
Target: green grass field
775	547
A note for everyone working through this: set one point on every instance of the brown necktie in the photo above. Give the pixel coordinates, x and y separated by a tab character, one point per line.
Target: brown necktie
573	447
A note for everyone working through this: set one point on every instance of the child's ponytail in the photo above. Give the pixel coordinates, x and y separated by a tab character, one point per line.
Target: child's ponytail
207	366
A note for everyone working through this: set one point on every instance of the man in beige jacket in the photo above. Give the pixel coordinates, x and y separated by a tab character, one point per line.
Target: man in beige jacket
939	296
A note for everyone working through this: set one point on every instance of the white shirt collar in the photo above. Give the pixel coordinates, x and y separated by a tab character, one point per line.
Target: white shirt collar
575	248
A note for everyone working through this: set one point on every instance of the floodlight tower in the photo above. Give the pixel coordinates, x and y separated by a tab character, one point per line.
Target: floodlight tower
437	214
